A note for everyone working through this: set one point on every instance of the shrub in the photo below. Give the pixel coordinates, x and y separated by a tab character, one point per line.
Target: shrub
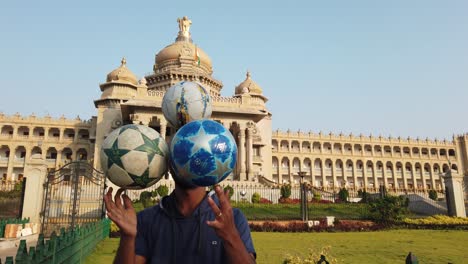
289	201
437	220
317	196
299	226
145	199
265	201
433	194
365	197
163	190
343	195
231	191
256	198
389	210
285	191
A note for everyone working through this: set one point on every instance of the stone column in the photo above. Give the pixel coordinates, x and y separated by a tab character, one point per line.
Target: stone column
15	132
280	172
433	184
11	159
163	129
413	176
374	175
384	175
395	180
324	178
364	175
405	183
59	159
355	179
333	174
455	193
249	154
61	131
46	133
35	172
75	138
291	177
242	174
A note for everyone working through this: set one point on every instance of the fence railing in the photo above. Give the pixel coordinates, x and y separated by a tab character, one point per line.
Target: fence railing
11	198
71	246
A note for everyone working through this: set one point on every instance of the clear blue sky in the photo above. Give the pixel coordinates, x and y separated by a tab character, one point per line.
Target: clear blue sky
395	68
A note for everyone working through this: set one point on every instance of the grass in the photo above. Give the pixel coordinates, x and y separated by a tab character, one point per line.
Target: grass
430	246
292	211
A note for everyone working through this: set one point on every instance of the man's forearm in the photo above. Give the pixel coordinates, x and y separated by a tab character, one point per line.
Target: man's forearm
126	252
236	251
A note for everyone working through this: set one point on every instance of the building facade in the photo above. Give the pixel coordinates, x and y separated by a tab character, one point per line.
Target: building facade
265	156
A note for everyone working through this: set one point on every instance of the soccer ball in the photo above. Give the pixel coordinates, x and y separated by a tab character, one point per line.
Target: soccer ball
203	153
185	102
134	156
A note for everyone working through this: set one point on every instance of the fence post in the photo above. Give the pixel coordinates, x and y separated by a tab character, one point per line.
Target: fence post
22	253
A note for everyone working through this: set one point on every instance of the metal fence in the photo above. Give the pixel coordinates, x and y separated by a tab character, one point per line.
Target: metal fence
11	198
72	246
322	201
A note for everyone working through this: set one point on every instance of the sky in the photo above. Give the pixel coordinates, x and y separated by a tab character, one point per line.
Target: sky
390	68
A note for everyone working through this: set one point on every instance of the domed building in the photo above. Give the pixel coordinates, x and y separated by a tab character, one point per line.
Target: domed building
124	101
328	161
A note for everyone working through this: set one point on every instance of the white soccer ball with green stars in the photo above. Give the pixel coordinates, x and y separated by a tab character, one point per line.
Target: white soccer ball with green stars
134	156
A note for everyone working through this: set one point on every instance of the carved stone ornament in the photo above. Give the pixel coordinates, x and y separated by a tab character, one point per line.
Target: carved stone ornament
116	123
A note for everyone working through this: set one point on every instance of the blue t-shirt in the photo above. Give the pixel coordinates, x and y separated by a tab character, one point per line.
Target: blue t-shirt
165	236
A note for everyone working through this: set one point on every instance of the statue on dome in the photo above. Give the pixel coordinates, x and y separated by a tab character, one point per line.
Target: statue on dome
184	25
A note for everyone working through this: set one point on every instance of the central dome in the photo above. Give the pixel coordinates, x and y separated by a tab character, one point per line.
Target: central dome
183	48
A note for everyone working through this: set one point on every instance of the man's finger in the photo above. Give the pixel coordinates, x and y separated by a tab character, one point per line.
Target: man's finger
118	199
214	224
110	205
127	202
223	200
213	206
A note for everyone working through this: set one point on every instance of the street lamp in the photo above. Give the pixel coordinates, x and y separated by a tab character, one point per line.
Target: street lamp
304	211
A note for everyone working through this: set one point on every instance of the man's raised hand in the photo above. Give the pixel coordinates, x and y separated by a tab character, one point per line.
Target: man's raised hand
121	213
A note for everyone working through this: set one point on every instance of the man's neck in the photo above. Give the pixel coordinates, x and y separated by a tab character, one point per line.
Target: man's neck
187	200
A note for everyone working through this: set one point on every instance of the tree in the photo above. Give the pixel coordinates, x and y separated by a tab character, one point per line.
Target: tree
163	190
145	199
433	194
343	194
389	209
285	191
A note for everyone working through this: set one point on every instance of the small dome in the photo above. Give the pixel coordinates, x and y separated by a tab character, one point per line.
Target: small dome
122	74
248	86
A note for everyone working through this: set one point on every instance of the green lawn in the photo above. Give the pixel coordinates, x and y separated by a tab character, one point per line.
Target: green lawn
430	246
292	211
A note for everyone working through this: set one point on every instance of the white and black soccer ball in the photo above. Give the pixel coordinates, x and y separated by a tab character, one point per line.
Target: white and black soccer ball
185	102
134	156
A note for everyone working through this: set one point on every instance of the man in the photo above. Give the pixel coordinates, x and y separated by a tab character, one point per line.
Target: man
188	226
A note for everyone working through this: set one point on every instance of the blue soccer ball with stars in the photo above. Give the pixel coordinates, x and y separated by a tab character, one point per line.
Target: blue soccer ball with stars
134	156
203	153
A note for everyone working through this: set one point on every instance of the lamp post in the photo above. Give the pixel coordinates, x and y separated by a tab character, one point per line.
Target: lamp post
304	211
